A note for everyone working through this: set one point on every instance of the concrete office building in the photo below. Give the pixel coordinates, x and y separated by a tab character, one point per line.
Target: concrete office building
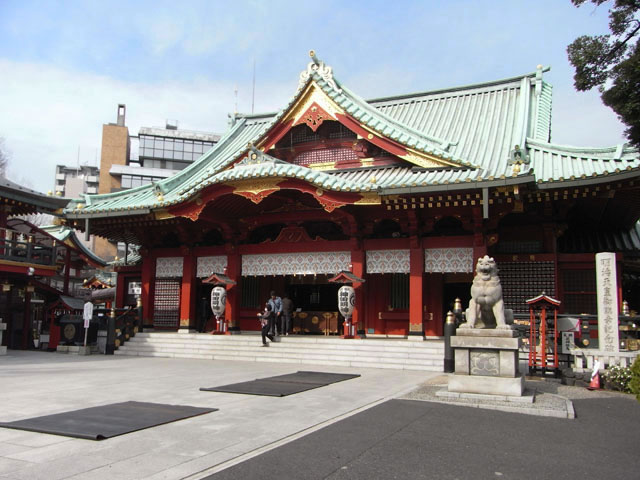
131	161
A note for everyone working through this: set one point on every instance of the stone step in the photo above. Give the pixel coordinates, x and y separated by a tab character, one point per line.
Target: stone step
251	336
293	354
317	350
284	343
356	362
253	339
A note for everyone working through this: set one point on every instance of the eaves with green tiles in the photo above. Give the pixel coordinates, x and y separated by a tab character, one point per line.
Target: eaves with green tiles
475	127
62	233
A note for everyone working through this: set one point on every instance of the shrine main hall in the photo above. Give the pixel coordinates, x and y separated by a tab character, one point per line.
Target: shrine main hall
404	193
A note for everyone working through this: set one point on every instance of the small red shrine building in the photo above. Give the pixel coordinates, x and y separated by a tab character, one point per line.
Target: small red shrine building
404	191
38	265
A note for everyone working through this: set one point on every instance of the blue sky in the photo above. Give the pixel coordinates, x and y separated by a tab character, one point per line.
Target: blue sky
65	65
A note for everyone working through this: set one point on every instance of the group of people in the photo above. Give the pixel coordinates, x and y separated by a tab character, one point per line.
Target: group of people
276	317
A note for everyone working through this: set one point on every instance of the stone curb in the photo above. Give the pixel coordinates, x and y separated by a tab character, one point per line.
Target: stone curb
544	404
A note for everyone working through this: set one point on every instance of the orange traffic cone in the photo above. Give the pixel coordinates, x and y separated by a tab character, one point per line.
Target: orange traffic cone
595	382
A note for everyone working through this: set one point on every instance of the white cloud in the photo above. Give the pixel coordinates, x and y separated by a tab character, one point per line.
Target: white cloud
49	113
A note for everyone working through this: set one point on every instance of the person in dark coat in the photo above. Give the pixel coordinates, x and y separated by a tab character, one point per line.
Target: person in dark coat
287	311
276	307
266	321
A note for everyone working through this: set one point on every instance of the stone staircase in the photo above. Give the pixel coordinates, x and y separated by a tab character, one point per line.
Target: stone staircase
319	350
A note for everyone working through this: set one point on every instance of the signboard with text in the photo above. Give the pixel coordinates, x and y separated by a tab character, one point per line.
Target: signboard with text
567	341
607	296
135	288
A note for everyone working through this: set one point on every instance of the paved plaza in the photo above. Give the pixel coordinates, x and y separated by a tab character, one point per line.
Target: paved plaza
374	426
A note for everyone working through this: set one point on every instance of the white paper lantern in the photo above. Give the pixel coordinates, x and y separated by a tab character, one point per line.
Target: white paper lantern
346	300
218	300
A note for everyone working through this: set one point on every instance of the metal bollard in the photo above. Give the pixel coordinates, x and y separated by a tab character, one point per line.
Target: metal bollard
111	333
449	331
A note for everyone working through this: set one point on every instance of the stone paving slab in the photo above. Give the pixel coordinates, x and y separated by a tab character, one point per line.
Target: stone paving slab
42	383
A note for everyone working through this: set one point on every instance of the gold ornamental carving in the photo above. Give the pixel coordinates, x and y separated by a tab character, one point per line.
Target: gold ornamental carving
162	214
323	166
256	190
313	94
313	117
427	161
415	327
255	186
371	198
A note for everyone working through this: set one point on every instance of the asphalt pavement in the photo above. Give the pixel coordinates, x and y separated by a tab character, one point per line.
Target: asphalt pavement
408	439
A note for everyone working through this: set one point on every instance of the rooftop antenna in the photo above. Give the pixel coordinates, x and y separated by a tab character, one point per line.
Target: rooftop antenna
253	93
235	93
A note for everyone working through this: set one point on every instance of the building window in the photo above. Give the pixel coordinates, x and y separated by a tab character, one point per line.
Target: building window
132	181
171	149
400	291
250	288
579	291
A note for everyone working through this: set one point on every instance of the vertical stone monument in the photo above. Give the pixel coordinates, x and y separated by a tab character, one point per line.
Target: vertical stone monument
486	346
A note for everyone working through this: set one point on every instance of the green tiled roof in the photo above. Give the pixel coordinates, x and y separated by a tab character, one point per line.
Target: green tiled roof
556	163
483	122
474	128
63	233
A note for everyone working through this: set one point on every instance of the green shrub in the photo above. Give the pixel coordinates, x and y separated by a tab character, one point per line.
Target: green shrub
634	383
618	378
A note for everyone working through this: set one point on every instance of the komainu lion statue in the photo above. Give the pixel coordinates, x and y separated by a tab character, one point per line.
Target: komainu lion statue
486	308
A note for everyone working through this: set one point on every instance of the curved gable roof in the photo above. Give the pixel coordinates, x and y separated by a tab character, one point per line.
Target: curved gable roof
471	130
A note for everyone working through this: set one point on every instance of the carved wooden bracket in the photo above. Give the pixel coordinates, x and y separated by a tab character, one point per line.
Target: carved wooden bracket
314	117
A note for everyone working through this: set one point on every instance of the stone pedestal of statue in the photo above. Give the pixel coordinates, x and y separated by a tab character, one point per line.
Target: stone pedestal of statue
486	362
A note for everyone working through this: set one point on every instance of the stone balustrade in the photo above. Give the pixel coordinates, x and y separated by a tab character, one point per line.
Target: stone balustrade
582	356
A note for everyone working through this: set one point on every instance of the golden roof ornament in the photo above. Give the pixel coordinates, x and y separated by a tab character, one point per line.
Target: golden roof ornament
318	66
517	157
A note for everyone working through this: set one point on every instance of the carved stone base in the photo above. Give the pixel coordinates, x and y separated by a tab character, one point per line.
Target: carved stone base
486	361
511	387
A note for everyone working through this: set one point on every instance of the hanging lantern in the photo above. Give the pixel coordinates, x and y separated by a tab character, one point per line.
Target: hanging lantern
218	301
346	300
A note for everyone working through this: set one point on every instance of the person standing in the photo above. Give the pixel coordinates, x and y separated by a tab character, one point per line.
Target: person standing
266	321
287	311
276	307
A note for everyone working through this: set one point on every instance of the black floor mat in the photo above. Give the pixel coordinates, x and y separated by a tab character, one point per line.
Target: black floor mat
265	387
283	385
323	378
98	423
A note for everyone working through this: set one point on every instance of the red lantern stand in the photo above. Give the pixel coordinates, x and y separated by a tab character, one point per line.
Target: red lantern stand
347	278
543	341
220	280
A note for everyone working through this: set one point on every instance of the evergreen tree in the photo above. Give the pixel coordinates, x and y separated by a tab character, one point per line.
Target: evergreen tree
612	63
